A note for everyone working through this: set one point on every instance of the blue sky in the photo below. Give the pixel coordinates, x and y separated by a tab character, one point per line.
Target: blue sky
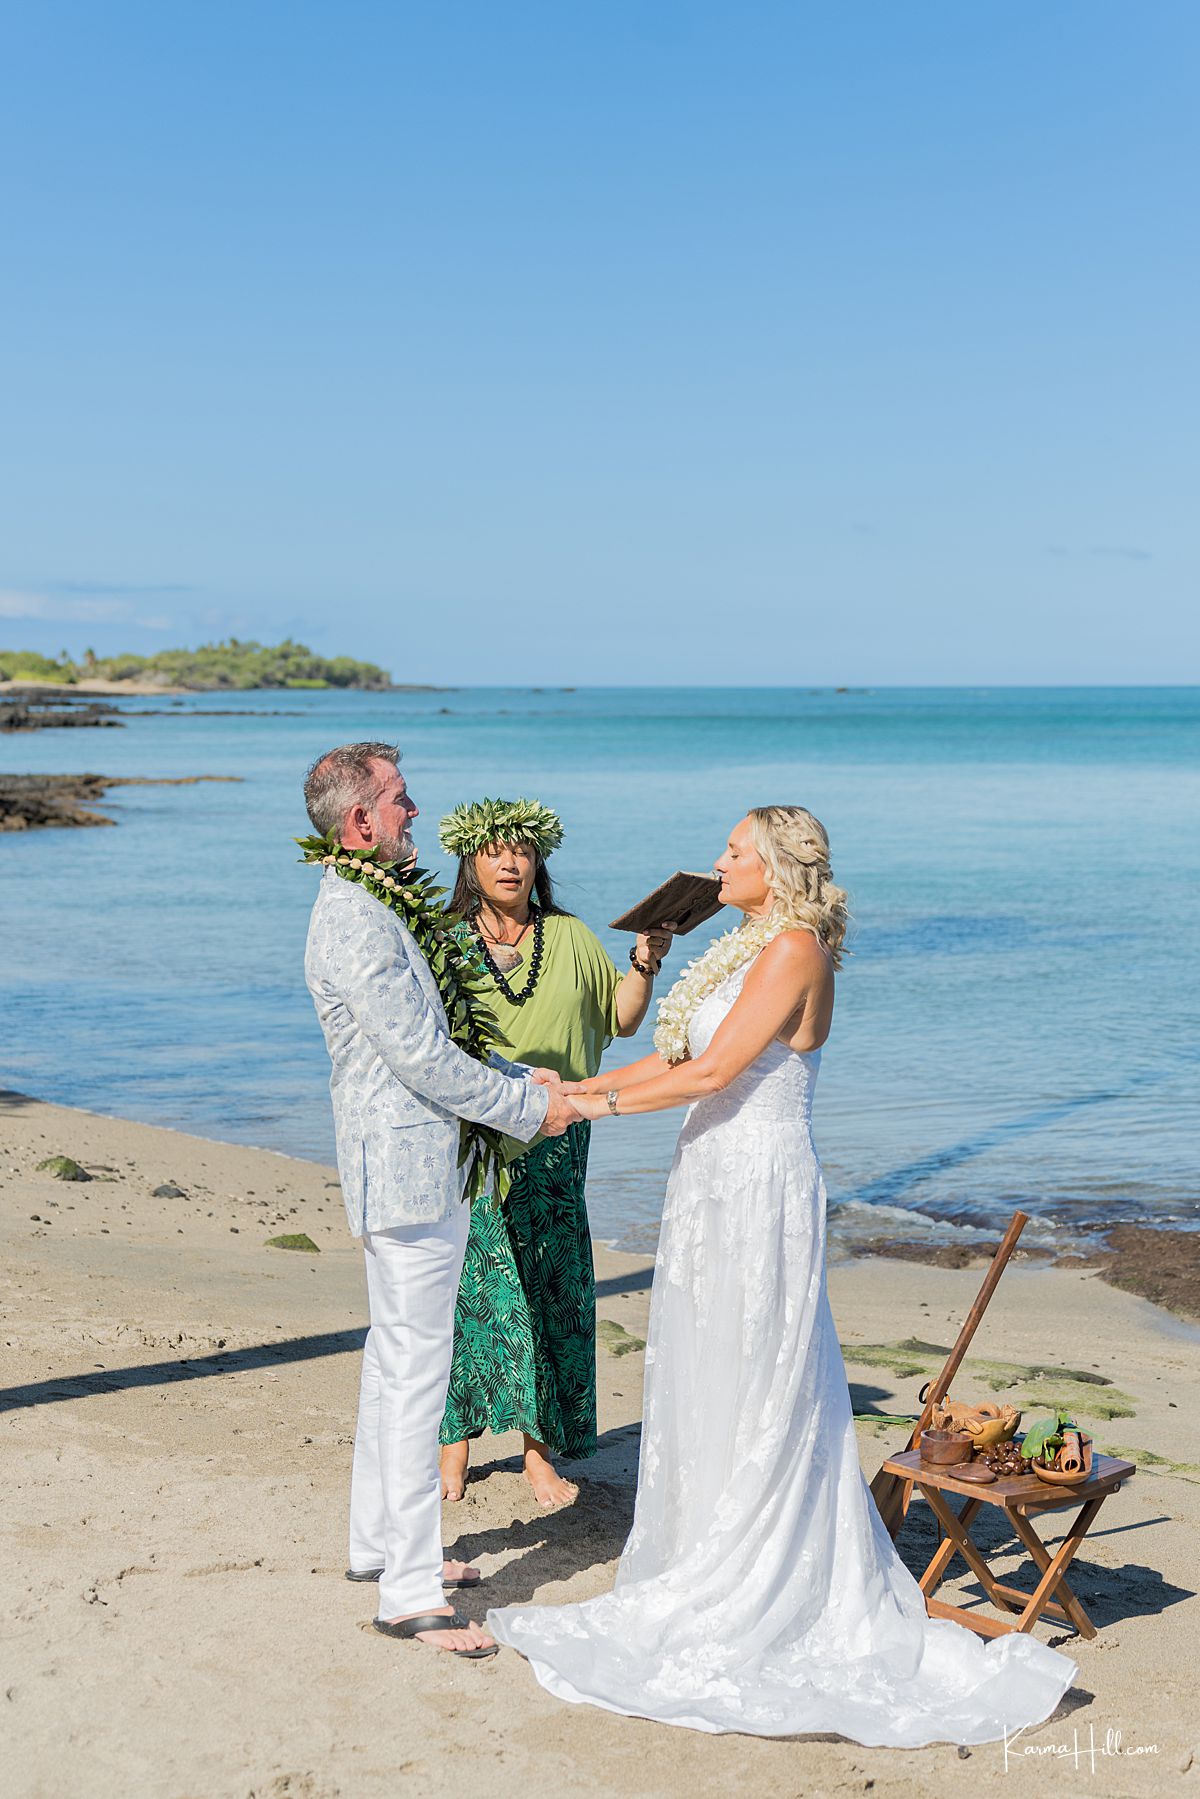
620	343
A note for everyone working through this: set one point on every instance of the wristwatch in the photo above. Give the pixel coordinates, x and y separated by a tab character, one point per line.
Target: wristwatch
611	1097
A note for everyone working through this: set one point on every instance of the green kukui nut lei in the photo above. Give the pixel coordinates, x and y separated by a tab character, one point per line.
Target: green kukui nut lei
451	950
471	828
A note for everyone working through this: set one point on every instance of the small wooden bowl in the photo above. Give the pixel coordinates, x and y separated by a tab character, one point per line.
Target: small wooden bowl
942	1448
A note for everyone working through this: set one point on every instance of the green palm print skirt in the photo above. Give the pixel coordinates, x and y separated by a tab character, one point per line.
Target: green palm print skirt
525	1323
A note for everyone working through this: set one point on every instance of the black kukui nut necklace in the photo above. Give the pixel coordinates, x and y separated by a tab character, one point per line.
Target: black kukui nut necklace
535	963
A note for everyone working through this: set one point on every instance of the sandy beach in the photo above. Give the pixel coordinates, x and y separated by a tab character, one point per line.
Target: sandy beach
111	688
178	1408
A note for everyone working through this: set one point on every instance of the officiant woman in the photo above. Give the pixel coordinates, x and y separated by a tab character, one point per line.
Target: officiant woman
525	1325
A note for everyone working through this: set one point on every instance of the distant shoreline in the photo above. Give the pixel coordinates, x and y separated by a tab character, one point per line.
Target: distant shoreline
244	664
153	690
61	689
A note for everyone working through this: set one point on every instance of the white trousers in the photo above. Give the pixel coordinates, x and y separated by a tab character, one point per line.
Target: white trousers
395	1488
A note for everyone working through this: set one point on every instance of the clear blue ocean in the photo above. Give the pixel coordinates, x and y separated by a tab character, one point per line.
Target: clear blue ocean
1018	1024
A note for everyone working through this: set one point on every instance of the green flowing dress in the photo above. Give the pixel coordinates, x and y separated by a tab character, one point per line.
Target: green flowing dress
525	1322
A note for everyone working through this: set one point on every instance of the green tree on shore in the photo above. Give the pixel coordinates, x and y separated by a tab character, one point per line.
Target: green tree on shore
230	664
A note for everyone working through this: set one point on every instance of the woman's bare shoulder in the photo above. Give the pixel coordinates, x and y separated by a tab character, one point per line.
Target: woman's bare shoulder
798	952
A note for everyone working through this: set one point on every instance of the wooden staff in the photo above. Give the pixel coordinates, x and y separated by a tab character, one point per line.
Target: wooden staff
891	1492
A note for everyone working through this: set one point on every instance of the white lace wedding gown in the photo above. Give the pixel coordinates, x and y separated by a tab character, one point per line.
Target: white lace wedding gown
759	1590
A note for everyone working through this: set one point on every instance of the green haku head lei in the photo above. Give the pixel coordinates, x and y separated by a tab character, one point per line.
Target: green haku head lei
471	828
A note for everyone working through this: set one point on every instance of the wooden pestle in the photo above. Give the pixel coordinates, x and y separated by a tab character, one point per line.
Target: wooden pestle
891	1492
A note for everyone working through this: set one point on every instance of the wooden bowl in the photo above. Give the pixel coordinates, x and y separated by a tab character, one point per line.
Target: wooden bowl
996	1430
983	1423
942	1448
1058	1477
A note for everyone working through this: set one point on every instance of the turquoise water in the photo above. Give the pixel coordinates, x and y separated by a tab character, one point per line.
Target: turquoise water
1018	1023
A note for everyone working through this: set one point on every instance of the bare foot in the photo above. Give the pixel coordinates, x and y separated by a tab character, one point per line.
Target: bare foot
463	1571
471	1636
549	1487
454	1459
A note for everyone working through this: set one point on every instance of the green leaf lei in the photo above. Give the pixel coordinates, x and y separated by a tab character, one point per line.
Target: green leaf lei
448	945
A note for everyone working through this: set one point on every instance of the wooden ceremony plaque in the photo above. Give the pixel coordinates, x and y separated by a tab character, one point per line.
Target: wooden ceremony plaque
686	900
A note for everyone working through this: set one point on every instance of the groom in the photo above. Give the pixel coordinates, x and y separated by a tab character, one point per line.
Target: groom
399	1086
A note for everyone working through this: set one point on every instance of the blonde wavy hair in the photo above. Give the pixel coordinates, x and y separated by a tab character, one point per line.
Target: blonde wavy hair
794	847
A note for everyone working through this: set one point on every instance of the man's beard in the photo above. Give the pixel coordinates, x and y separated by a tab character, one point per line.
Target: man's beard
401	850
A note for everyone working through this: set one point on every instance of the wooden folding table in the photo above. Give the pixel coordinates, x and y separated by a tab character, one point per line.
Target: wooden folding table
1020	1497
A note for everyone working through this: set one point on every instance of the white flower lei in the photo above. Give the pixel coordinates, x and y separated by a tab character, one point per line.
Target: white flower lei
703	976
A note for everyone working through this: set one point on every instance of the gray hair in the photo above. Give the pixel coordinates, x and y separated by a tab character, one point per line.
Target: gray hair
343	778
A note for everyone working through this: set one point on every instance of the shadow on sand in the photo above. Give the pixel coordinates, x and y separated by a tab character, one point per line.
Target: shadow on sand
161	1374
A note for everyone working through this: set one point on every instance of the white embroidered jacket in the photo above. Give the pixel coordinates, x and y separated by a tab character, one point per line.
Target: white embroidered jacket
399	1084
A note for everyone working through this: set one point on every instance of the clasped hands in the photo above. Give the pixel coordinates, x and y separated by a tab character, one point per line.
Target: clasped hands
569	1102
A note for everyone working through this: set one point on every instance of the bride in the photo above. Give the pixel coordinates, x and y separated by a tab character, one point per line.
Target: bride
759	1590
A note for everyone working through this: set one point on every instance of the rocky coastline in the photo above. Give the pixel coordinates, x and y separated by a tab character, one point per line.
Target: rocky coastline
40	709
1162	1266
41	802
